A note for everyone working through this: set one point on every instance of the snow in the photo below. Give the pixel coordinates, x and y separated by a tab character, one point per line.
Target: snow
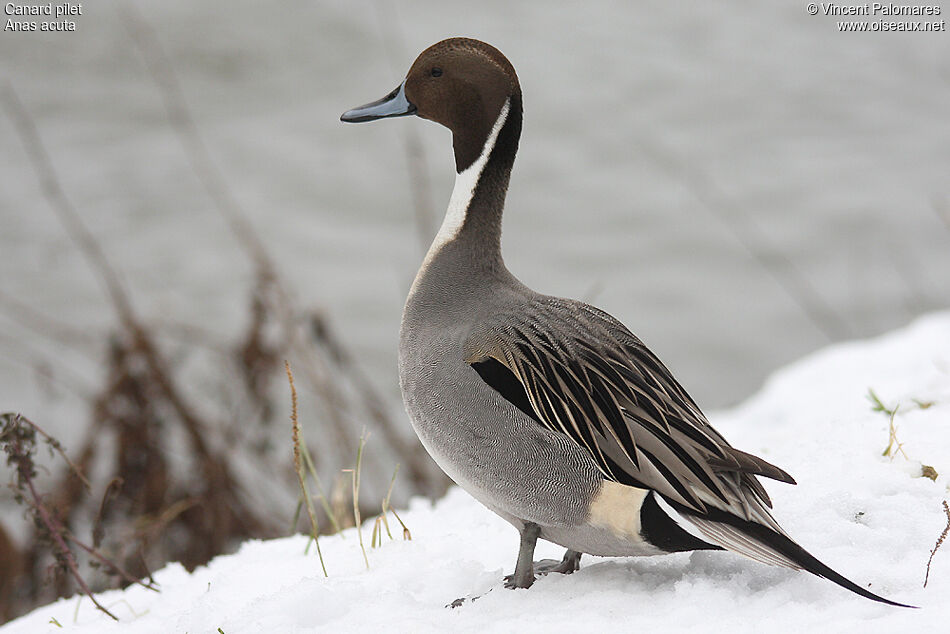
872	518
664	144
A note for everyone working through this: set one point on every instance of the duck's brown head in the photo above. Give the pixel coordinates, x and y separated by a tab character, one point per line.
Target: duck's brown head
461	83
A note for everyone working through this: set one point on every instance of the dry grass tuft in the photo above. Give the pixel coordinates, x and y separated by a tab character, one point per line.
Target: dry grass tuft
298	468
382	522
893	444
355	474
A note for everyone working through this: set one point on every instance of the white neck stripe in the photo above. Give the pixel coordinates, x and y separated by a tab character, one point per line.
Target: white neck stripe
464	190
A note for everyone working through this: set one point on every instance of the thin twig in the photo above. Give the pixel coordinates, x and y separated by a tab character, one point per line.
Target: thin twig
943	536
108	563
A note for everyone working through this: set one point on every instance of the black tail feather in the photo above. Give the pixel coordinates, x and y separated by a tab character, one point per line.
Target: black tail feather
811	563
785	546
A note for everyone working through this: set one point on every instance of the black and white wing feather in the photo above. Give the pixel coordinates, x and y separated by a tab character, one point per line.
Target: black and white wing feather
581	373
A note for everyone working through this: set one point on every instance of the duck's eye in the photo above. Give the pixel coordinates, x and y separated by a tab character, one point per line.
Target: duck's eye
436	72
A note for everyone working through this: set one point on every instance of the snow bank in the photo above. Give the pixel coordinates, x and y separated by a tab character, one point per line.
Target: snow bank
871	517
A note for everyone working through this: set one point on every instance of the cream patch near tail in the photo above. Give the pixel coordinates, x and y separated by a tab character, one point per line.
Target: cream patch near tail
616	507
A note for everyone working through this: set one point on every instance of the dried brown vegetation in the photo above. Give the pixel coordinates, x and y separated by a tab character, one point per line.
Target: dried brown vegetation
176	473
18	440
11	564
939	542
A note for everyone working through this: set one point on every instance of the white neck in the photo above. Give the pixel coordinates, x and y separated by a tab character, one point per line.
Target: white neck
462	193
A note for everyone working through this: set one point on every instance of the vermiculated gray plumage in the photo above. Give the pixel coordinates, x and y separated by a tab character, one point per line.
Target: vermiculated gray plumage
547	410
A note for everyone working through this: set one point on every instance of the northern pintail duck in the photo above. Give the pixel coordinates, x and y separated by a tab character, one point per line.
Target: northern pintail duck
547	410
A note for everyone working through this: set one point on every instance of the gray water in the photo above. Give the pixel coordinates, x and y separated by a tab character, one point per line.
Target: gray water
739	183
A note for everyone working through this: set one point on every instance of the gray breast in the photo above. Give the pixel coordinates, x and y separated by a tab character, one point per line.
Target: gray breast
485	444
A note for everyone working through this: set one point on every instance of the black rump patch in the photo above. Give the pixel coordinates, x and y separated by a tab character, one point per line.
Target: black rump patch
660	530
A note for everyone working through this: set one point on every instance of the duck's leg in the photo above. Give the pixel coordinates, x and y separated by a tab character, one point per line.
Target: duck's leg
570	563
524	569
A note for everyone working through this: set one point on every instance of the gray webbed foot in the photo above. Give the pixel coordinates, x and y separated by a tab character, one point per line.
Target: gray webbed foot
526	568
571	563
511	585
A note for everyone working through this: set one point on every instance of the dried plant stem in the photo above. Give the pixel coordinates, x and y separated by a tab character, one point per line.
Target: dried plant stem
356	494
296	518
893	444
385	504
298	467
943	536
108	563
216	469
55	531
318	369
168	515
381	521
19	447
324	502
20	456
314	368
406	535
84	239
55	444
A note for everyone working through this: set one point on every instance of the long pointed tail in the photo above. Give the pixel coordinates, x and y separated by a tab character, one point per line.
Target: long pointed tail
766	545
810	563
